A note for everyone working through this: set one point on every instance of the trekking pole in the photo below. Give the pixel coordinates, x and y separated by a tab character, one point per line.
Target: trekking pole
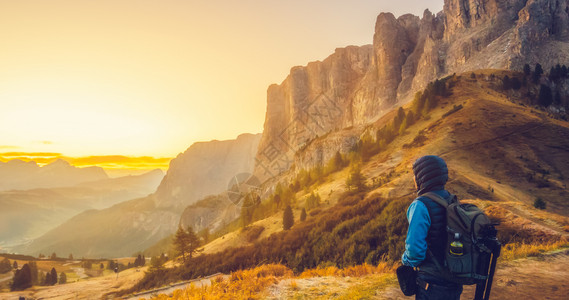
481	286
495	254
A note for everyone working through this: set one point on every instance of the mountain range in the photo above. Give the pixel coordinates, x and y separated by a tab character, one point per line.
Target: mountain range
333	106
132	226
28	214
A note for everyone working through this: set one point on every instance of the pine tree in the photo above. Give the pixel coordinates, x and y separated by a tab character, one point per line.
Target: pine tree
418	103
506	85
22	279
47	280
34	272
303	215
181	242
62	278
5	266
557	98
537	73
356	180
527	69
193	241
53	276
398	119
288	218
247	210
545	96
516	83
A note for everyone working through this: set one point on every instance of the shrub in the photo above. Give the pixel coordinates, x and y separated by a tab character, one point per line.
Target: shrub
253	232
539	203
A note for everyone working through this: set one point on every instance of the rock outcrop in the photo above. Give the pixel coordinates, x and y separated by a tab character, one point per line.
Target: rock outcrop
357	85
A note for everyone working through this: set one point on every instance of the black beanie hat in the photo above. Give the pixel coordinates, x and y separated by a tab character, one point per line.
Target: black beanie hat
431	173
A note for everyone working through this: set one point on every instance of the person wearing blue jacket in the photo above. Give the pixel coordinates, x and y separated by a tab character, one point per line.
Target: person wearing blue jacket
426	236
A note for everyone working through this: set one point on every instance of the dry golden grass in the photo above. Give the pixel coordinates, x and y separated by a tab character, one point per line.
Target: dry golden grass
353	271
243	284
519	250
250	284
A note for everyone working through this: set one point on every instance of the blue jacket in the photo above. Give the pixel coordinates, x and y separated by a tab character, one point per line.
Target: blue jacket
419	224
431	175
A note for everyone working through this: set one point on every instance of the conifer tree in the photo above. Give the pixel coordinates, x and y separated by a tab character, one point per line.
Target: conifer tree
5	266
356	180
47	280
22	279
288	218
53	276
527	69
181	242
537	73
34	272
545	96
62	278
247	210
506	85
193	241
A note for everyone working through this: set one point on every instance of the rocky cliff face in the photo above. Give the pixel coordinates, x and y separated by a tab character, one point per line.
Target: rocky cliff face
356	85
206	168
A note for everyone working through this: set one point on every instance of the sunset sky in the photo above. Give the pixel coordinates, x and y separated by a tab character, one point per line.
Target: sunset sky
148	78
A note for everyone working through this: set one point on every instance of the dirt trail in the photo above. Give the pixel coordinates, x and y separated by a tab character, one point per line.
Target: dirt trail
530	278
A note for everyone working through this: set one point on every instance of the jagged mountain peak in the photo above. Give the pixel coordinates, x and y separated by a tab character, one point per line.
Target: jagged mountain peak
357	85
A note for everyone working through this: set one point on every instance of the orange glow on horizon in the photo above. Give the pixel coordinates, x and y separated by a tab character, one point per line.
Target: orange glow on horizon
113	164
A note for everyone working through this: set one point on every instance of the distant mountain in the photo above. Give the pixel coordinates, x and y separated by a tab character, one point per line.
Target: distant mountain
27	214
206	168
123	229
20	175
117	231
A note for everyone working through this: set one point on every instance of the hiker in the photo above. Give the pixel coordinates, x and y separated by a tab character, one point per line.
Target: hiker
427	235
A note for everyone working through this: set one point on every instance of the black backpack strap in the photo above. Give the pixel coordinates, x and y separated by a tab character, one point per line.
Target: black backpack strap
440	200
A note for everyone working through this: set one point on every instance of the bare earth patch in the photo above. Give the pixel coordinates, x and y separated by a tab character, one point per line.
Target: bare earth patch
530	278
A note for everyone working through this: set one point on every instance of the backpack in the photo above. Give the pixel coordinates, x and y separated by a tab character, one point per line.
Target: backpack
471	241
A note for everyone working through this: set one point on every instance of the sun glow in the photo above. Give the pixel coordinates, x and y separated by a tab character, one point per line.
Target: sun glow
139	78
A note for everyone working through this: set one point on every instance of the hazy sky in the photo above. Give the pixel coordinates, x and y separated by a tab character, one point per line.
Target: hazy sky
150	78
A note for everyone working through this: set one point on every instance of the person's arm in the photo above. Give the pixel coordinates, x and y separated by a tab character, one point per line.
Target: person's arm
416	241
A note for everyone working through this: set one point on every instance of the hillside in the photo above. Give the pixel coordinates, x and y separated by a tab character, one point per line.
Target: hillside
357	85
27	214
497	160
137	224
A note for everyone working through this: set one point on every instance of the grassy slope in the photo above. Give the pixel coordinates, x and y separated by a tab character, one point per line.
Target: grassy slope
484	146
